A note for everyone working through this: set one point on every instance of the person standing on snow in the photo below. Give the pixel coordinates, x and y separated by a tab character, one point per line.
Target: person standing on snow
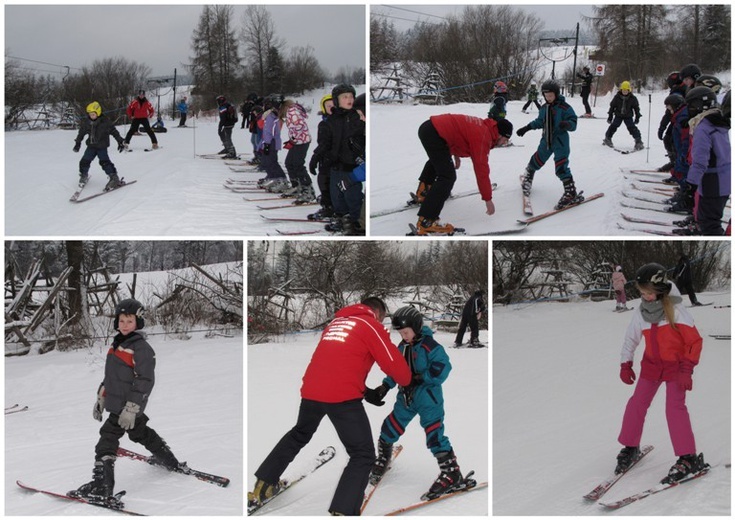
99	129
683	278
423	396
672	350
334	386
183	108
618	285
471	313
227	121
139	110
299	139
532	97
319	163
129	379
556	118
623	108
586	77
446	138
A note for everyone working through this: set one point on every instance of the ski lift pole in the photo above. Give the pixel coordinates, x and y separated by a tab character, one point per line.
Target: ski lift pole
648	137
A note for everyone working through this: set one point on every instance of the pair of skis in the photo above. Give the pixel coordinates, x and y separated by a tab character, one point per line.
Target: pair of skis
606	484
115	503
76	196
15	409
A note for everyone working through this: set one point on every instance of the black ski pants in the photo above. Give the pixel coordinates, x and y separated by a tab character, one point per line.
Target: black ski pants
111	433
146	127
296	165
438	171
468	319
353	428
586	100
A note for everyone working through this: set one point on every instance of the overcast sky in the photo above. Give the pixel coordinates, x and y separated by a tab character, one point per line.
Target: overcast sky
554	16
160	35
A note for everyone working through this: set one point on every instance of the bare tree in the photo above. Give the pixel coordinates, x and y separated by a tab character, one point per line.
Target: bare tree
258	37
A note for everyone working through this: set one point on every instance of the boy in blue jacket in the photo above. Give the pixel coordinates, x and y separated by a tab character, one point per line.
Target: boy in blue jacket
430	367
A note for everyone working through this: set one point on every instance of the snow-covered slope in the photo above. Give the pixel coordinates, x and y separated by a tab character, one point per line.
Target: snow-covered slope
196	406
274	379
558	405
176	193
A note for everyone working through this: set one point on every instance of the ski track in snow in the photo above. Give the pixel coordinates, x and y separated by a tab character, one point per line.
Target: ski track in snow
558	404
196	406
274	372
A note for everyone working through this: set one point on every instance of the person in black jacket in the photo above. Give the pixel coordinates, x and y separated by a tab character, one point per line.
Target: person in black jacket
319	165
345	131
683	278
623	109
99	129
124	392
471	314
227	121
586	77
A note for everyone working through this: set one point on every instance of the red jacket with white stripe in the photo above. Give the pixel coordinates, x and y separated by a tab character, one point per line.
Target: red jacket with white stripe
469	136
345	354
668	349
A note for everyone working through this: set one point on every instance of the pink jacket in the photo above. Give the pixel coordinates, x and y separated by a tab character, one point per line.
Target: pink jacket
298	130
618	281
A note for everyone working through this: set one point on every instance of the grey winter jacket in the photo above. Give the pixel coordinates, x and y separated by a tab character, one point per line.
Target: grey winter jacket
129	372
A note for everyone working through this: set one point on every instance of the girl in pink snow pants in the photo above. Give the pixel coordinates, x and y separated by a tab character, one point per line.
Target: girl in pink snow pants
672	349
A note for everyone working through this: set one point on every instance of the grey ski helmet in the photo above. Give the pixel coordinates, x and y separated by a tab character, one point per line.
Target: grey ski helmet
550	86
342	88
654	274
406	317
130	306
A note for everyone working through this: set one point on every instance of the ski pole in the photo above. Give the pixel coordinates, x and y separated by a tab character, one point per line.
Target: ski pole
648	137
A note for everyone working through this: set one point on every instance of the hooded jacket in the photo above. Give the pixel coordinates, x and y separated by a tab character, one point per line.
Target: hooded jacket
349	346
710	164
99	132
469	136
129	372
667	349
140	109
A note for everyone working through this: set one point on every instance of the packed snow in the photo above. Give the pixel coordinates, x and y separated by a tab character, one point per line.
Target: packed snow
274	372
196	406
397	158
558	404
176	193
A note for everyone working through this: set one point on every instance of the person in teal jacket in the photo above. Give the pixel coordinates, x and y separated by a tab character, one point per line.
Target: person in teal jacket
556	118
430	367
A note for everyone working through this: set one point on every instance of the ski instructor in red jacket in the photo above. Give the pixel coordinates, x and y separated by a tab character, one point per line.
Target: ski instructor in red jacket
446	138
334	385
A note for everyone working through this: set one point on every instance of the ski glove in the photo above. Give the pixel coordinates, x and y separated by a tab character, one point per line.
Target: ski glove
127	416
77	146
375	396
99	404
685	376
288	144
522	131
627	375
120	147
313	164
609	119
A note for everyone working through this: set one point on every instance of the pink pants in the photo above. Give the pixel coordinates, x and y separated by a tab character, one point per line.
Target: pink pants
620	297
677	416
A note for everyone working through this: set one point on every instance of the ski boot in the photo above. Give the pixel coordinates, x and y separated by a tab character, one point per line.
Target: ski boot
418	198
666	167
335	224
102	483
570	196
475	343
427	226
527	182
163	456
608	142
154	146
278	186
385	452
83	179
306	195
113	183
263	493
325	213
686	466
626	458
291	192
449	479
638	145
352	227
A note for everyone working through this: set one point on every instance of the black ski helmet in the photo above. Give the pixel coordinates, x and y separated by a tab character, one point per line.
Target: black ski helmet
709	81
654	274
690	71
674	101
673	80
130	306
700	99
221	100
550	86
408	317
342	88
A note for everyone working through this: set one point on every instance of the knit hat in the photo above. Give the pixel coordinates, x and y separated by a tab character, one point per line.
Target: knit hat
505	128
625	85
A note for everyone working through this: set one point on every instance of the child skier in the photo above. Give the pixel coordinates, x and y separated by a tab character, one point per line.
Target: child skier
139	110
275	180
319	165
623	108
532	97
672	349
299	139
124	392
676	108
227	121
430	367
556	118
99	129
618	285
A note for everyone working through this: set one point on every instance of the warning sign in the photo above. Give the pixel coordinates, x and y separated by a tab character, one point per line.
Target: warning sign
600	70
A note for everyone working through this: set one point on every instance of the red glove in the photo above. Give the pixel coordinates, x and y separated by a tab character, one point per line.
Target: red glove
627	375
685	376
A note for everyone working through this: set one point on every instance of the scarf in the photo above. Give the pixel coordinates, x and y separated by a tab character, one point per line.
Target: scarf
653	312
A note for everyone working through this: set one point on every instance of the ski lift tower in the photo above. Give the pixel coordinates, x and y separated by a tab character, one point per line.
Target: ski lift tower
558	42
